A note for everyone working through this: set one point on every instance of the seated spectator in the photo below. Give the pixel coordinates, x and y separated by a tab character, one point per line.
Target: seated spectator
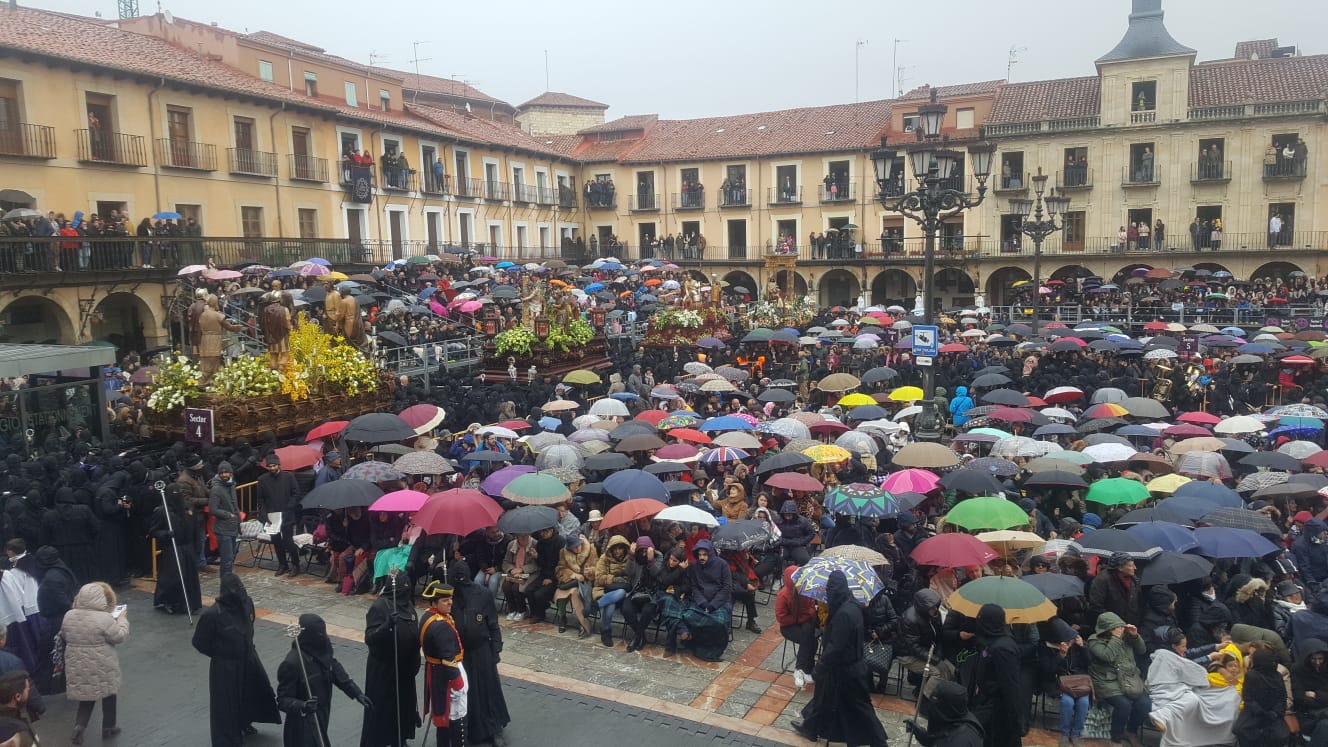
1187	709
642	604
1247	603
742	571
576	571
1116	678
1063	655
704	626
519	565
949	722
615	575
919	635
1309	690
796	616
796	534
1264	705
1288	601
543	584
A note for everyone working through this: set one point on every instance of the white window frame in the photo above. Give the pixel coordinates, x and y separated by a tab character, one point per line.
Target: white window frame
271	72
442	224
352	91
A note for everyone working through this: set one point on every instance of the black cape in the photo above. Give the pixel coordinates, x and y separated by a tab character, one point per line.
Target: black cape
392	633
476	617
324	671
177	572
841	710
239	692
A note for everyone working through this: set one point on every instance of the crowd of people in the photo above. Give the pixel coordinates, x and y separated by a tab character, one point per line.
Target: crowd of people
74	255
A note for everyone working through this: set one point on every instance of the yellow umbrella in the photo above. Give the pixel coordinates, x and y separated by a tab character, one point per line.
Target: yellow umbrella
856	399
1007	541
828	454
581	376
1166	484
906	394
336	276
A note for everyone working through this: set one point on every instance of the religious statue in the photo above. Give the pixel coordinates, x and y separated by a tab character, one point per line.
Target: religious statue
277	318
196	310
332	312
352	325
511	368
531	373
772	293
691	292
532	303
566	310
716	292
211	323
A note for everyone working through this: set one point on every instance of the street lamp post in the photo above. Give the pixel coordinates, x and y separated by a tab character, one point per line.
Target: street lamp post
1034	225
934	200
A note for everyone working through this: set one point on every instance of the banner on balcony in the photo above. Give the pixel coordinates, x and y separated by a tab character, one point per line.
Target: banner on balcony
361	184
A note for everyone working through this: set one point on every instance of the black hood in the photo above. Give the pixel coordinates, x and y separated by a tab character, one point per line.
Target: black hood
458	574
232	592
837	592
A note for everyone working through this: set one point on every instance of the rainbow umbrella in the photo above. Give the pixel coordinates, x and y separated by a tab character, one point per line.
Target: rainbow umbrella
1022	602
861	499
811	579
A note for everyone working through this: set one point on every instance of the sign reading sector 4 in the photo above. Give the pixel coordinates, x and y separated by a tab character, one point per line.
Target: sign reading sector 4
926	340
199	425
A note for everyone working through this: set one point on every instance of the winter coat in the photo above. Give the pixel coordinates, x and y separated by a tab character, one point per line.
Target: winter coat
1306	679
734	507
711	582
999	700
224	506
918	628
1260	723
796	533
1112	658
1249	607
609	571
961	404
792	608
530	564
92	668
1108	593
1157	618
1311	558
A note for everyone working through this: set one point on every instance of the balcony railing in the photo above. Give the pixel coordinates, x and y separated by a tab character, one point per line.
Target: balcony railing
738	252
1011	183
470	188
1049	125
1075	177
1285	169
246	162
308	169
524	193
566	198
735	197
1140	175
114	148
787	195
694	200
28	141
1210	171
602	200
120	254
400	180
643	202
186	154
1144	117
1245	111
435	184
497	190
838	191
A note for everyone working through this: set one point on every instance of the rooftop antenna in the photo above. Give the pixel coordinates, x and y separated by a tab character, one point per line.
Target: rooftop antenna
894	65
900	77
373	57
127	8
857	57
546	69
417	62
1013	60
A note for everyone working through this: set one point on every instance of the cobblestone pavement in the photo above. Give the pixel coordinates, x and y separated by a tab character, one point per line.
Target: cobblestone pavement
749	693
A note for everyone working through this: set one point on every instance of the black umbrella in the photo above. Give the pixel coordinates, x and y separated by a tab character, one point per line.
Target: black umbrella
1146	515
316	294
1111	541
393	338
1241	518
782	396
342	494
487	455
879	374
607	461
1007	397
1174	568
991	380
747	534
1273	460
973	482
678	487
378	428
632	428
639	442
528	519
1100	424
868	412
783	461
1056	479
660	468
1056	585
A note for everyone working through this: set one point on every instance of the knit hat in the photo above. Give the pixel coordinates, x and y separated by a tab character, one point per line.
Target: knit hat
1302	516
644	542
197	463
1027	504
225	467
1118	560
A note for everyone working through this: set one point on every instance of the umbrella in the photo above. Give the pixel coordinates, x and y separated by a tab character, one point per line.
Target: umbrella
783	461
372	472
1022	602
609	407
860	499
1056	586
1058	477
1260	480
1169	537
811	579
489	455
995	466
459	511
1104	453
581	376
971	481
635	483
953	550
528	519
536	489
723	455
1240	518
746	534
1107	542
1167	484
840	382
725	423
926	456
423	463
1145	515
296	458
683	515
1117	490
987	513
607	462
1049	464
1227	542
911	481
341	494
379	428
738	440
1010	540
1174	568
856	552
494	483
1202	464
828	454
785	428
630	511
1239	425
408	501
795	481
329	429
639	442
1272	460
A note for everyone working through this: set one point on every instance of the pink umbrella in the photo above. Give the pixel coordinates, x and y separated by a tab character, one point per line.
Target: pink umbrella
911	481
408	501
471	306
437	308
310	269
222	275
676	453
191	269
794	481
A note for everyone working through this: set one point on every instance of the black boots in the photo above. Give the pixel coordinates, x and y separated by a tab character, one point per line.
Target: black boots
606	638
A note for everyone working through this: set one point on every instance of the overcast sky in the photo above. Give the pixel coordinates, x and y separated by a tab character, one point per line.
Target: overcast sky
694	58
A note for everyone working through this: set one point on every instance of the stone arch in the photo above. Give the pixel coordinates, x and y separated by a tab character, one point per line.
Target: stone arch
780	281
1071	272
126	321
740	279
1275	270
1212	267
894	287
698	276
1126	272
952	287
840	288
37	319
1000	285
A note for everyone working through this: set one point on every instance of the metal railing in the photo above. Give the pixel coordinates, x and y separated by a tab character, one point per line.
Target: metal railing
642	202
186	154
1074	177
693	200
246	162
838	191
524	193
426	357
434	184
1284	169
602	200
735	197
545	196
1011	183
308	169
27	141
114	148
497	190
1210	171
790	195
566	198
130	253
400	180
1141	175
470	188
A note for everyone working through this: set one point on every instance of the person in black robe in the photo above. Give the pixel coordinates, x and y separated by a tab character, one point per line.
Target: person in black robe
444	678
475	615
239	692
177	568
56	587
1000	701
392	633
71	528
841	709
111	505
304	685
949	722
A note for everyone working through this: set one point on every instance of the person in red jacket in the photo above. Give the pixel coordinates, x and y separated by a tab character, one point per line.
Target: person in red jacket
742	568
796	616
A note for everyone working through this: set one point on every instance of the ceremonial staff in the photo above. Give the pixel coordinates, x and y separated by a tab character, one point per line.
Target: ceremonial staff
175	548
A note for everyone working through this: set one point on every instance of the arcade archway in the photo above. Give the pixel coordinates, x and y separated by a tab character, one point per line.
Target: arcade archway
953	287
894	287
1275	270
840	288
1000	285
124	320
37	319
1071	272
739	279
781	284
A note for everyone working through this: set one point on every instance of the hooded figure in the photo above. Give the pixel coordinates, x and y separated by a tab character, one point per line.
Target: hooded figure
92	667
710	604
475	615
1248	603
71	528
1309	685
177	569
961	404
239	692
997	687
1261	722
1310	552
392	634
304	685
841	709
949	722
1159	617
796	533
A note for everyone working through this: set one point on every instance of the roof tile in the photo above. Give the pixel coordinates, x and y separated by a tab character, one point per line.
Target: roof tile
556	98
1252	81
963	89
445	87
623	124
1035	101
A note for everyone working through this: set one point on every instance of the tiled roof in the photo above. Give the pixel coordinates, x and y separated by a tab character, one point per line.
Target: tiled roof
486	131
963	89
75	40
1261	48
445	87
269	39
1045	99
555	98
1252	81
606	151
819	129
623	124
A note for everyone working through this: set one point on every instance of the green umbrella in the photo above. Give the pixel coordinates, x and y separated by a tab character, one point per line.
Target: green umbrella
417	260
987	513
1075	457
1022	602
1117	490
536	489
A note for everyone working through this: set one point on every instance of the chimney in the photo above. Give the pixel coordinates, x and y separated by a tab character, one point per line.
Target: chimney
1146	36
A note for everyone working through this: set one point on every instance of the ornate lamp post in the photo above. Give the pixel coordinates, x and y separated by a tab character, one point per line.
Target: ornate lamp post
1033	225
934	200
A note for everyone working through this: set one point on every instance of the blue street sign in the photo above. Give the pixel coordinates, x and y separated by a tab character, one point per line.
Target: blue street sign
926	340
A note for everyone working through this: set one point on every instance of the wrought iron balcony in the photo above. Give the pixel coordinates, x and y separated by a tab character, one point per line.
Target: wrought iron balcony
112	148
27	141
246	162
470	188
1142	175
1074	177
434	184
735	197
186	154
838	191
1284	169
400	180
638	203
788	195
1210	171
693	200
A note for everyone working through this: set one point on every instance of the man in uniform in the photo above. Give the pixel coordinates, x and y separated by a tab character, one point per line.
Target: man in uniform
211	323
444	676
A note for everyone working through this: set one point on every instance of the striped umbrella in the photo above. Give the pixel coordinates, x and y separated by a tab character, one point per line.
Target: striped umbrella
1022	602
723	455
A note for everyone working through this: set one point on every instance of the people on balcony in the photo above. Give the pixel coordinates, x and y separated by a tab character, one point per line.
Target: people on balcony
692	196
1143	169
599	192
734	191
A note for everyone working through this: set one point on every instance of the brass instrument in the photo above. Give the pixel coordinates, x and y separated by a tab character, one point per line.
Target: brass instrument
1162	385
1193	372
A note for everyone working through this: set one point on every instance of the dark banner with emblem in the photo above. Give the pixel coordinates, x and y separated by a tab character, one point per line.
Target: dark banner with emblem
361	181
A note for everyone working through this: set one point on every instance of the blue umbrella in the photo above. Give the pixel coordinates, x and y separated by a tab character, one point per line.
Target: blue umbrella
1211	493
285	272
1142	431
626	396
594	287
811	579
1189	507
726	423
634	483
1169	537
1225	542
1256	348
167	215
610	266
549	424
1295	431
428	292
320	261
504	265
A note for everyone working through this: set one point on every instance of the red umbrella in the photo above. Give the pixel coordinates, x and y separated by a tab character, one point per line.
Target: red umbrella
794	481
954	347
1186	430
651	416
298	457
1298	360
690	435
1199	418
629	511
423	418
1317	459
458	511
514	425
1012	415
829	427
1062	394
1036	402
329	429
1155	326
953	550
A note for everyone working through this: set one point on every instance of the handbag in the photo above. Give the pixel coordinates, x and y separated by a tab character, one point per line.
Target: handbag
879	656
1075	685
1132	686
57	684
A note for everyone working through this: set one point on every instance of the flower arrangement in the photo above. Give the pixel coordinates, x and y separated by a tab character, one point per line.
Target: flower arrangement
685	318
246	376
349	370
176	382
577	333
766	314
516	341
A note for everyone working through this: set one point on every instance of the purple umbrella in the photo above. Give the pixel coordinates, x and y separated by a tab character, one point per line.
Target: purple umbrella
494	484
710	342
